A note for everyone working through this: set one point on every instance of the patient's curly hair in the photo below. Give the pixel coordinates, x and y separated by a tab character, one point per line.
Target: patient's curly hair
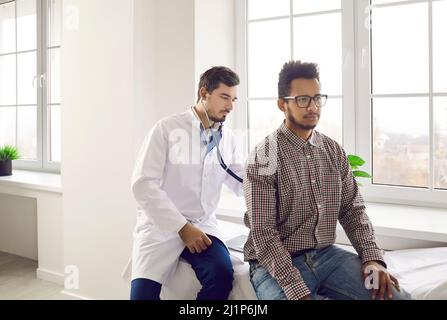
295	70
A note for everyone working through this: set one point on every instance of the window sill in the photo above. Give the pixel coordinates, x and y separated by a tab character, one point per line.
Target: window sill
391	220
406	221
33	180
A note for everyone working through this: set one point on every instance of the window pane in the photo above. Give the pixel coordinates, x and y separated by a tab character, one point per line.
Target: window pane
440	46
27	132
264	64
55	22
258	9
8	80
26	76
26	25
306	6
55	133
400	49
7	126
323	46
54	75
265	117
7	28
332	119
441	143
401	148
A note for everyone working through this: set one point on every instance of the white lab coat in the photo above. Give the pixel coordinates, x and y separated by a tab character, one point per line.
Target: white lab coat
173	184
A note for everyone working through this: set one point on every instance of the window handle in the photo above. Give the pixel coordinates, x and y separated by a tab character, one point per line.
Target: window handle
41	80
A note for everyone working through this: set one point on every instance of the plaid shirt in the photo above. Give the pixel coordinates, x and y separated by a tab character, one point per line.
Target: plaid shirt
295	191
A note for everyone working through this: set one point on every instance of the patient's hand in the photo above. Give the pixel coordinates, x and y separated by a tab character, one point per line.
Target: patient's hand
194	238
385	280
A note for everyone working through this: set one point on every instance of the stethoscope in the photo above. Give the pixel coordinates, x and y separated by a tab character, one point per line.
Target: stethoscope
219	155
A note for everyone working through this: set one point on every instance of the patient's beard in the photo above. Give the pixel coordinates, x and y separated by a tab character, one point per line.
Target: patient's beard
296	124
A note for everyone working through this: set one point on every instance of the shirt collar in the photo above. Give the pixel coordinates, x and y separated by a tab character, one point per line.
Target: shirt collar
195	120
314	140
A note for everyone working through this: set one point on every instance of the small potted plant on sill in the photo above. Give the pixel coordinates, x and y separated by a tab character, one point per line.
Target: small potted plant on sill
355	162
7	154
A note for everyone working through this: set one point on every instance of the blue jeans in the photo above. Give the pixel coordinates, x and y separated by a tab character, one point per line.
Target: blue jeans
212	267
329	272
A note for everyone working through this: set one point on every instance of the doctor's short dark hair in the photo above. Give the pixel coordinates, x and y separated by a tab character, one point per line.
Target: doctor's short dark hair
295	70
213	77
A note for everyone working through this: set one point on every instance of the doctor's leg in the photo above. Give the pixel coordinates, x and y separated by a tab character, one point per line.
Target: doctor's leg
145	289
214	270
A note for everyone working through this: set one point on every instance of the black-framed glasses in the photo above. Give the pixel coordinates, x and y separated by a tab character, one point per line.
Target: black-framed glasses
304	101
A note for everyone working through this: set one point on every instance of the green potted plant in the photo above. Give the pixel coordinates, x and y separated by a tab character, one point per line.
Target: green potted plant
356	162
7	154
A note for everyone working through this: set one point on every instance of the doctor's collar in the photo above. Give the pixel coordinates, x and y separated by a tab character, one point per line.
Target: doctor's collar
216	126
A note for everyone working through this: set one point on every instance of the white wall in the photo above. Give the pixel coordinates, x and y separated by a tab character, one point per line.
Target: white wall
144	75
164	60
98	130
31	226
215	32
18	226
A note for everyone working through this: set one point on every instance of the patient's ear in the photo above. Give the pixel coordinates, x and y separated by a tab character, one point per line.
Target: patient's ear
281	105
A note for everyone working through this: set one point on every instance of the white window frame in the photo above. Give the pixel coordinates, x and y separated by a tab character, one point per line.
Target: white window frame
42	162
356	98
383	193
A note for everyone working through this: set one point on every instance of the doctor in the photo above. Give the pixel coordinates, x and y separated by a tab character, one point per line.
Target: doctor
177	183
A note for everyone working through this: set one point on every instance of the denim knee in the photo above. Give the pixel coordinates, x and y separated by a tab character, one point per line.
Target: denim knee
220	276
145	289
217	283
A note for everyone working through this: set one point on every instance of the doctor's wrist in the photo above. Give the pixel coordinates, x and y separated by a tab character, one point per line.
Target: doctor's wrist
185	228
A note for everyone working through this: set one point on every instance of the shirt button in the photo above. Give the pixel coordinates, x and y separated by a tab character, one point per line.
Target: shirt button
313	181
308	157
319	206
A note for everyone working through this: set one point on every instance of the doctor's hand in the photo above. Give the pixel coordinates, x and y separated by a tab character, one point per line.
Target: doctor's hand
194	238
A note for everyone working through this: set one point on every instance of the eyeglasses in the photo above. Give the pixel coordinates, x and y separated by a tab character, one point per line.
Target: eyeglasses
304	101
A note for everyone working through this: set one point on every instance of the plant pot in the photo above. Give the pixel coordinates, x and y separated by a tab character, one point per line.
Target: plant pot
5	168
